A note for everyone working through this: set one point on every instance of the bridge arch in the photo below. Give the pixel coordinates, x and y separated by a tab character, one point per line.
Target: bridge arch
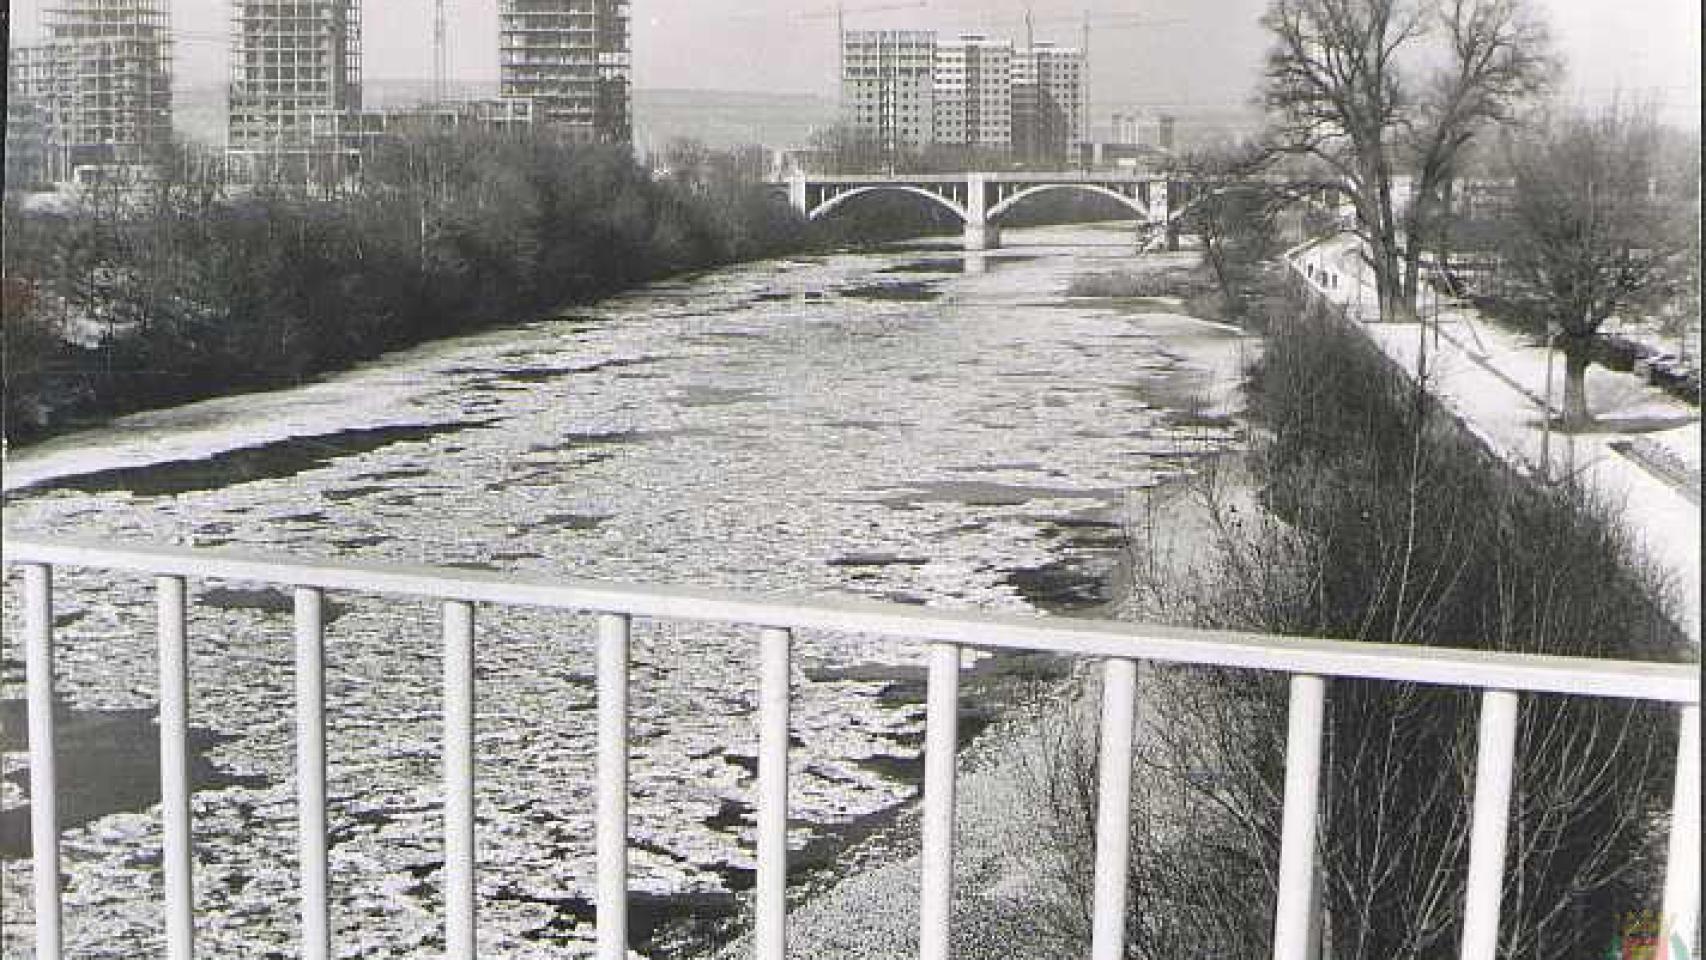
830	205
1135	205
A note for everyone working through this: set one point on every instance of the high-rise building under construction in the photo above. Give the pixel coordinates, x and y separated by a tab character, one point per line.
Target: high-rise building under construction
295	87
906	91
974	93
106	83
1048	104
571	58
888	88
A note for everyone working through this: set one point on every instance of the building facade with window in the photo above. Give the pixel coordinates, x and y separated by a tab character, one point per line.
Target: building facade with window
888	87
1048	104
905	90
295	96
27	88
571	59
105	77
974	93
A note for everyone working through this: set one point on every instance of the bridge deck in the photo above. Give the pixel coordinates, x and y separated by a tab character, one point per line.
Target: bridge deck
1069	176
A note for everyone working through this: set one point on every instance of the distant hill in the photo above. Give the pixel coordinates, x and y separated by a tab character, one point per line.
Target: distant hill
728	118
716	117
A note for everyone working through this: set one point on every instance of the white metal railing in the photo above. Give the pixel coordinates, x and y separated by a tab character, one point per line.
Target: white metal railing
1309	662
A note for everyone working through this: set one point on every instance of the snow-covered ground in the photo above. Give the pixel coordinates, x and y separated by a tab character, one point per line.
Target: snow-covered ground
1644	454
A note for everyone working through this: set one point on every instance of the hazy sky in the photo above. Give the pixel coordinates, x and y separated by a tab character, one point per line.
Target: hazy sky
1644	47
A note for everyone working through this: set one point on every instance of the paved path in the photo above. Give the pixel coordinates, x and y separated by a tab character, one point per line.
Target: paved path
1644	452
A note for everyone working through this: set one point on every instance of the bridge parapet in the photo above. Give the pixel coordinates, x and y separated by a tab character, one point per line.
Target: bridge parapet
980	199
1316	668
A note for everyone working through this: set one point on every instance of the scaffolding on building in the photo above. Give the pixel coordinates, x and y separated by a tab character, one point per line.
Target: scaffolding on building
571	58
27	117
107	85
295	90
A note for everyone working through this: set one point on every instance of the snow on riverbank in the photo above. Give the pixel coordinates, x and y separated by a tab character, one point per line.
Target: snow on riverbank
1644	454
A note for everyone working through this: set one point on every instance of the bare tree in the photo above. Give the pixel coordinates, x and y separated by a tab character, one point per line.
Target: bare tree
1588	232
844	149
1235	214
1343	86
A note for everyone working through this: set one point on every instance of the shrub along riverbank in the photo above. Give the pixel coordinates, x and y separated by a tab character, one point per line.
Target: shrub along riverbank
176	291
1383	520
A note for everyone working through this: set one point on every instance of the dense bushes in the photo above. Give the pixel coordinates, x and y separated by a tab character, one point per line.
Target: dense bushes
172	291
1386	522
1408	531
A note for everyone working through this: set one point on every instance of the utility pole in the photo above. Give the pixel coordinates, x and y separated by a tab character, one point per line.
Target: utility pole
1546	409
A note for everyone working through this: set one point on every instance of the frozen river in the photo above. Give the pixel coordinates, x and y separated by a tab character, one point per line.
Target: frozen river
919	425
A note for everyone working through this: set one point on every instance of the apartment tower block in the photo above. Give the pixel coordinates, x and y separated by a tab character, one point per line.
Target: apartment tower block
295	87
974	93
905	90
1048	104
105	83
28	83
888	86
570	58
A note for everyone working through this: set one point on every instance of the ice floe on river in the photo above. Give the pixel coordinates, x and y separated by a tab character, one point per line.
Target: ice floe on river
776	427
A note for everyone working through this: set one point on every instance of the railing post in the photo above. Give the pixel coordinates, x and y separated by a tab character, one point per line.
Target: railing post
1494	768
1113	809
941	741
770	937
1293	914
174	768
459	923
1681	926
44	788
311	771
613	631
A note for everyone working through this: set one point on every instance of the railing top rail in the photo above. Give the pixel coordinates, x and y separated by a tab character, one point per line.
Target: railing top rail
1636	680
1004	176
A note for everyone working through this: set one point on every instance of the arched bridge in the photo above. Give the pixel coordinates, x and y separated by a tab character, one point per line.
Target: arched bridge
980	199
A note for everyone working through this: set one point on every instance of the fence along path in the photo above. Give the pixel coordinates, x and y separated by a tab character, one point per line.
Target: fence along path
1310	663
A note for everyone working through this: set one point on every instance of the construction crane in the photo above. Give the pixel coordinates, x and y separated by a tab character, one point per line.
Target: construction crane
440	54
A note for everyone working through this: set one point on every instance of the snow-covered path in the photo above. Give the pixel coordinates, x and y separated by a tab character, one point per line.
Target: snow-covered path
1644	455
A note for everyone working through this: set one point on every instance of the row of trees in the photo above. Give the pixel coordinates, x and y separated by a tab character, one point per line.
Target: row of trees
164	290
1392	104
1590	225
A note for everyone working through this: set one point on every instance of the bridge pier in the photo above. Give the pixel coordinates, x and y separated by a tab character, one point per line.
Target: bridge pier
982	236
797	195
980	233
1161	211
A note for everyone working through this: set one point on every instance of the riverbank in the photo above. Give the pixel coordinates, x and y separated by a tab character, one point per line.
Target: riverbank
1008	900
1012	900
138	299
1308	542
1643	453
